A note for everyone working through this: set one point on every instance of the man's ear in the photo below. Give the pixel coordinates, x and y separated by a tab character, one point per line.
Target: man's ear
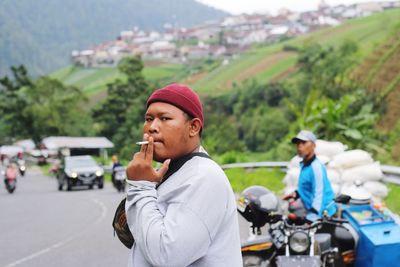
195	127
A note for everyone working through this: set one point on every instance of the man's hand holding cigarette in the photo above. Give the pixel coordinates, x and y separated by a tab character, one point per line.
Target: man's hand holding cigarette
140	168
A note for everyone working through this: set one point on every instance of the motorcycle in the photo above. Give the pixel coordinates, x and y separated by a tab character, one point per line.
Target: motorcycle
118	178
21	166
325	242
10	179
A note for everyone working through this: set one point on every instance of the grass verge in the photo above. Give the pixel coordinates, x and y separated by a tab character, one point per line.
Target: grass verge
393	199
243	178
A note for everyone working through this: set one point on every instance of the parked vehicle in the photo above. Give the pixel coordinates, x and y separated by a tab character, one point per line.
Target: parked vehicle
118	177
10	178
79	171
325	242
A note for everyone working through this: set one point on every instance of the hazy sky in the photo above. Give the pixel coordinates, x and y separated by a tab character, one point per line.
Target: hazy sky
272	6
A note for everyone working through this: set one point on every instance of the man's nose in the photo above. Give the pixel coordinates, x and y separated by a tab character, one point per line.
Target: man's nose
154	126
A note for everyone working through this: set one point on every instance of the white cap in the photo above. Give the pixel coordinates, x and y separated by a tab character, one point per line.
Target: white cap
304	135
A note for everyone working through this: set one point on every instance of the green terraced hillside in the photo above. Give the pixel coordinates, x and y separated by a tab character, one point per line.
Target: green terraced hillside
264	63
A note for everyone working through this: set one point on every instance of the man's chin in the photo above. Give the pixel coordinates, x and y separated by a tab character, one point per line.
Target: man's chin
159	158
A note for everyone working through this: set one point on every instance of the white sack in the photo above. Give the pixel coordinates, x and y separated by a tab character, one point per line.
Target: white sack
351	158
363	173
333	176
324	159
377	189
336	188
292	177
294	162
329	149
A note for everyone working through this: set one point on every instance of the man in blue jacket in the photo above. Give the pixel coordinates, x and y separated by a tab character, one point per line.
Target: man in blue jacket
314	188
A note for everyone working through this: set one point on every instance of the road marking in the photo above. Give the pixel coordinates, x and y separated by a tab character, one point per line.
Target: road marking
103	210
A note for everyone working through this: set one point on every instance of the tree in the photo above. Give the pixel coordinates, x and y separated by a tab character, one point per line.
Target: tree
56	109
120	97
350	119
14	122
35	109
121	115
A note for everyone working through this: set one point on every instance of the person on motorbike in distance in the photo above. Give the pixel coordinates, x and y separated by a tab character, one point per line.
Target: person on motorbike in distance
115	163
184	213
314	188
11	171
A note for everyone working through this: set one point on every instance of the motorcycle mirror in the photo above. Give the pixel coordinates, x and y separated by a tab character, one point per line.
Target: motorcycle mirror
343	199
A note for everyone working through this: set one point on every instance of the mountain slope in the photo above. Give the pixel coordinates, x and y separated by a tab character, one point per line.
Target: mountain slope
264	63
41	34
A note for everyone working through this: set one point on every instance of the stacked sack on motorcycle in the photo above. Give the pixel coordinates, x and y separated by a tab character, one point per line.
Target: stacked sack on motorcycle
351	172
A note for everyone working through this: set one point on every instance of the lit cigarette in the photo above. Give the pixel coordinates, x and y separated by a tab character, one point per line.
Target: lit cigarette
142	143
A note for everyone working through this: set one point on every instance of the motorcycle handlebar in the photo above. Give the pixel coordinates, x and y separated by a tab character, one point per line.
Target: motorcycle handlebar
325	220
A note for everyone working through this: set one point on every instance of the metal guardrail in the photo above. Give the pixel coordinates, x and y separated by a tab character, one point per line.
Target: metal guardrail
263	164
391	173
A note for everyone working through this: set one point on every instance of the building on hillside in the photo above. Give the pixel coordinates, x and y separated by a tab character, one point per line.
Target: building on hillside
194	52
82	58
368	8
390	5
162	49
255	36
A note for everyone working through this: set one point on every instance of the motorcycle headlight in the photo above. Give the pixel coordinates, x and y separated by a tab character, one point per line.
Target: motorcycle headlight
99	173
74	175
22	168
299	242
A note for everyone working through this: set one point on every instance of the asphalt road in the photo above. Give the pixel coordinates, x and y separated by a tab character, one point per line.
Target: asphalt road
40	226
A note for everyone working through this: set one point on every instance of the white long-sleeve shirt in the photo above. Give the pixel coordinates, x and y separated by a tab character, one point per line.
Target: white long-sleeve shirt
190	220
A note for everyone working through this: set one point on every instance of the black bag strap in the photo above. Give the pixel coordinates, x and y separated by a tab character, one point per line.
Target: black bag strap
175	165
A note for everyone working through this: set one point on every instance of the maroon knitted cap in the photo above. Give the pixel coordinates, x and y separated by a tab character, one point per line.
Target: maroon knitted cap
180	96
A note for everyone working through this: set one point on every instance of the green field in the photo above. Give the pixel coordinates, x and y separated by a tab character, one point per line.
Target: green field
162	72
95	80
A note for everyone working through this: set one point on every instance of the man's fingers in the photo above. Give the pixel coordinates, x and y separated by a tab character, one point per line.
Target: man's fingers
149	150
164	168
143	148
